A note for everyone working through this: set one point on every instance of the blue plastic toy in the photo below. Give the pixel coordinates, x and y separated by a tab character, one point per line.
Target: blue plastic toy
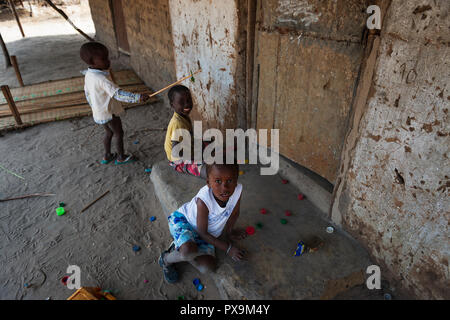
152	219
197	284
136	248
301	249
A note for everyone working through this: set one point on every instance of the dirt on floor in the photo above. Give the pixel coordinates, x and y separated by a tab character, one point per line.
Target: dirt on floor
62	158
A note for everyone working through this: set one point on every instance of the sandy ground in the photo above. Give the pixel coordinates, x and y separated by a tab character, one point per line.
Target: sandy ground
36	245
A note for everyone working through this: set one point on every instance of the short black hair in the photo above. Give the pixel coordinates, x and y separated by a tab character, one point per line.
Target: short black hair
92	49
233	166
176	89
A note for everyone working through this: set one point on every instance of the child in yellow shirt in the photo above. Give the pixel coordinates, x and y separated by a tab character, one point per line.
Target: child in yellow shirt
181	102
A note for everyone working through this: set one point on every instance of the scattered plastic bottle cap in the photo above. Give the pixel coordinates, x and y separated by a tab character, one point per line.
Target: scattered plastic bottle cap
180	297
26	285
387	296
148	170
283	221
284	181
62	204
263	211
241	173
136	248
136	142
288	213
301	249
259	225
300	196
330	229
200	287
152	219
60	211
196	281
145	281
250	230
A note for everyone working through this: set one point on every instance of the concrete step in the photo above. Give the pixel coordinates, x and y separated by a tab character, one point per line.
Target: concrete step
271	270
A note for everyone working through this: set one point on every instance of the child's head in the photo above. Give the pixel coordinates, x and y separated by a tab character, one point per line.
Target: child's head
222	179
95	55
180	100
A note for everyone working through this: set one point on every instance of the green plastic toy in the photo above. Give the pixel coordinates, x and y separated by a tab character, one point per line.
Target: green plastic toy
60	211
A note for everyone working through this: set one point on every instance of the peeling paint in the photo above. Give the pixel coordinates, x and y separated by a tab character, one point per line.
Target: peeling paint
214	50
294	11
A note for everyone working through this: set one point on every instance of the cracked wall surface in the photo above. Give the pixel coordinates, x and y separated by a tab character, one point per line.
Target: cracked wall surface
395	195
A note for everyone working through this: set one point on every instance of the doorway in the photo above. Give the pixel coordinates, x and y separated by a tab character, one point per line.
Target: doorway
120	26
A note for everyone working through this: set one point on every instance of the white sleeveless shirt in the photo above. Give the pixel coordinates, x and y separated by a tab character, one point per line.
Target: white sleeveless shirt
218	216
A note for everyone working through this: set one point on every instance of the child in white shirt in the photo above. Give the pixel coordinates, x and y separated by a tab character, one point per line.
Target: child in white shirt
197	225
103	96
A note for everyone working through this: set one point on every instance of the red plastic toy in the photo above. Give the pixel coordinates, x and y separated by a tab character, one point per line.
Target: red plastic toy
250	230
263	211
284	181
288	213
300	196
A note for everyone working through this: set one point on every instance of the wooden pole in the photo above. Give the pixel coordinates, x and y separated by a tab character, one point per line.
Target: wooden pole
250	60
13	8
11	104
5	52
17	70
51	4
175	83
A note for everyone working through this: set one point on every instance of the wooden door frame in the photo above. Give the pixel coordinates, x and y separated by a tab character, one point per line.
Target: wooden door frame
113	17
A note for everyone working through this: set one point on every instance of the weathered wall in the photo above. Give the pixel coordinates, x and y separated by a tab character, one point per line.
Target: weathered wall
150	38
394	196
208	35
104	27
308	55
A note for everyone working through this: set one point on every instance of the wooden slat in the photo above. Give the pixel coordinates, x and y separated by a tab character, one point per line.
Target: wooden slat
65	86
12	106
66	100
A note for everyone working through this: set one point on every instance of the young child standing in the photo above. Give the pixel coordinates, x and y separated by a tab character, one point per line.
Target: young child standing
197	225
180	100
103	97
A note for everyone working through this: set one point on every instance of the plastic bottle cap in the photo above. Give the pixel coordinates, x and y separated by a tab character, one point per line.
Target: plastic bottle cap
283	221
330	229
60	211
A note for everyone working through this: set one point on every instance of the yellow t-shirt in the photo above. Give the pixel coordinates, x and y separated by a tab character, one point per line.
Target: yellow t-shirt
177	122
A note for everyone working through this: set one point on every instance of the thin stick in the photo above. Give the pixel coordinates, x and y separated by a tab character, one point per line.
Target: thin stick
5	52
17	70
51	4
29	196
11	104
90	204
13	9
175	83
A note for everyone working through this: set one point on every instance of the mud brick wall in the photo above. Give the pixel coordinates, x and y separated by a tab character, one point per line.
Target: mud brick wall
103	22
394	196
151	45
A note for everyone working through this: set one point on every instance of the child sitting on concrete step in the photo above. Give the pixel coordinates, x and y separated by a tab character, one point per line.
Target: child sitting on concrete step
197	225
103	97
180	100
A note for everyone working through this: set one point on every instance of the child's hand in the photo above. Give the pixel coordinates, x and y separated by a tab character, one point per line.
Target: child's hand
237	234
144	97
236	254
